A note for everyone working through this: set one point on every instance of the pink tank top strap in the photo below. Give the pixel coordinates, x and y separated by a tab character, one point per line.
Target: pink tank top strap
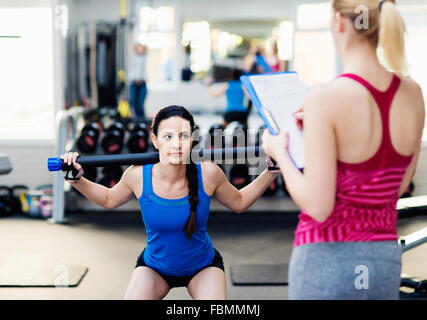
389	93
384	100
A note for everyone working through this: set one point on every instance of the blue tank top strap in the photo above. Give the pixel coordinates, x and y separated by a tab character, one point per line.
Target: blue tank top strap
200	181
199	173
147	178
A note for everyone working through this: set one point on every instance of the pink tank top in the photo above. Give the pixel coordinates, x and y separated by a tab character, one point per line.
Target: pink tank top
366	193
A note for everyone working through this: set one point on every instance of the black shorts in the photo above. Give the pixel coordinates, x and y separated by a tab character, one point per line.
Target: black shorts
182	281
240	116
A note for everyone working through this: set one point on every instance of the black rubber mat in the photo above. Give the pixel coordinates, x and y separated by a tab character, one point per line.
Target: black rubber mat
259	275
41	276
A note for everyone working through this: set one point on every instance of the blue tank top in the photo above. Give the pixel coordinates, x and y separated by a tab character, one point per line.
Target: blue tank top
168	249
235	97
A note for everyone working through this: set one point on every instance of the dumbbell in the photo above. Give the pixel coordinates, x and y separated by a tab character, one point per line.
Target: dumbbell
108	115
15	195
87	142
239	175
240	136
197	138
216	136
284	189
5	202
258	136
90	173
113	140
110	176
138	139
272	188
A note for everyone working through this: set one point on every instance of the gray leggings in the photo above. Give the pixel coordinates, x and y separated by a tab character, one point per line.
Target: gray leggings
345	270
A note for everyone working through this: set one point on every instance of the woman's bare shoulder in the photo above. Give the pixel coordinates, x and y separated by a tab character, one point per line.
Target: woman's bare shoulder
211	175
414	91
209	168
133	174
211	172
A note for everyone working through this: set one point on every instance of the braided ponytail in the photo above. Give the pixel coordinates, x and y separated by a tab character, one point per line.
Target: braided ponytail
191	173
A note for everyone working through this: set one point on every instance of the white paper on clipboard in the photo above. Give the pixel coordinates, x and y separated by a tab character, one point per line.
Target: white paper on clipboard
281	94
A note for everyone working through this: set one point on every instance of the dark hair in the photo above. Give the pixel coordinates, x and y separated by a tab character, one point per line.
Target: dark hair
191	169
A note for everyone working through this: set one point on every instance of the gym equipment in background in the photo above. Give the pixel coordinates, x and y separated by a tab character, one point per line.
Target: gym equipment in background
240	136
216	136
408	208
138	139
284	189
15	195
272	188
239	176
5	165
113	140
110	176
259	135
197	138
5	202
37	203
87	142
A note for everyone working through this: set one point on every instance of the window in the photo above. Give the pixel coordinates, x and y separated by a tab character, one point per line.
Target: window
284	41
157	32
416	43
26	80
313	16
314	57
314	50
196	34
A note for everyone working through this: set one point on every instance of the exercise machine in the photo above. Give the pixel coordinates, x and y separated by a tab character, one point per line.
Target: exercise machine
407	208
5	165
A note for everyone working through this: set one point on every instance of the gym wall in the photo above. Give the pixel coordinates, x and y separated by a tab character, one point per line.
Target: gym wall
29	163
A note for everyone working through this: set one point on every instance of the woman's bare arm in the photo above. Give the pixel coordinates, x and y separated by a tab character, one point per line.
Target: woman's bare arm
232	198
108	198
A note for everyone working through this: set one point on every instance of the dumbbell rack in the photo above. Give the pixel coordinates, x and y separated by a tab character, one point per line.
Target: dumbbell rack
77	201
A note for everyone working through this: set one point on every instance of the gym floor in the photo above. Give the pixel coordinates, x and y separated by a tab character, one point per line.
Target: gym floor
108	244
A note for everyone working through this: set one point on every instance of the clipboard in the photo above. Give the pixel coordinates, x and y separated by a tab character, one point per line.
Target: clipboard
296	142
265	115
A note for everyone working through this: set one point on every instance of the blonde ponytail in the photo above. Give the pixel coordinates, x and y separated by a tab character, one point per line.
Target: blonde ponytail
386	29
392	37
